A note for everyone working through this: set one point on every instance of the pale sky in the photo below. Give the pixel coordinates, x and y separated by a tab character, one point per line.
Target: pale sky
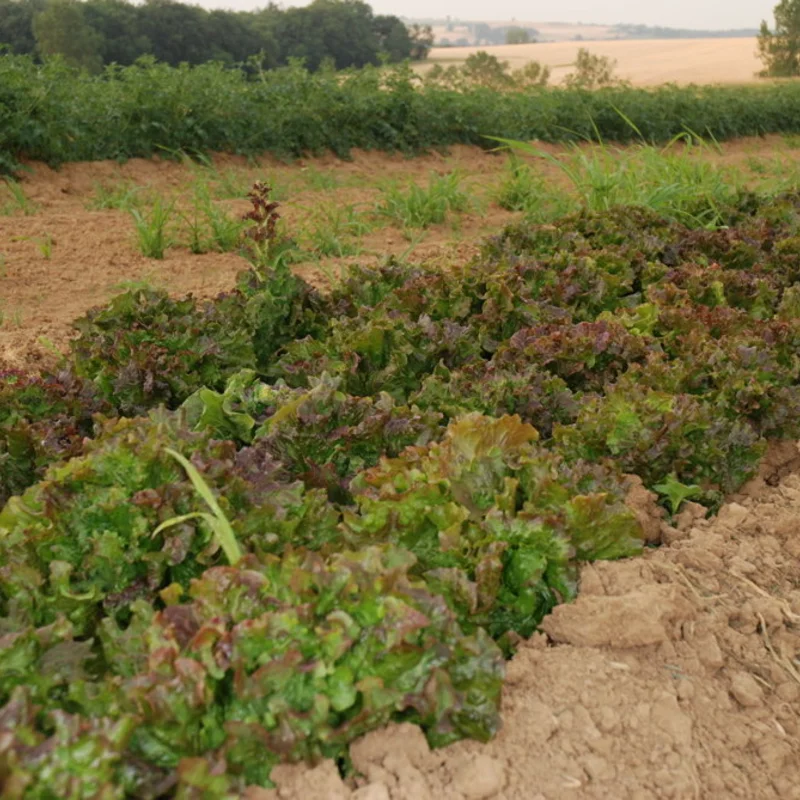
706	14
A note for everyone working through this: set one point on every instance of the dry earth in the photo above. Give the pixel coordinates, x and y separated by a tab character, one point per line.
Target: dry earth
674	675
643	62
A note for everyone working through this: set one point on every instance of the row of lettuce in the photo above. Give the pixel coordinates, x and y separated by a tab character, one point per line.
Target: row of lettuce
56	114
250	529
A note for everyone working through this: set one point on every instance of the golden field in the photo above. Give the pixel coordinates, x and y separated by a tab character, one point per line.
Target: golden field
643	62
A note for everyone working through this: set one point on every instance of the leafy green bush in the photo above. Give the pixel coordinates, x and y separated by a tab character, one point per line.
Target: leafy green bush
361	491
319	435
146	348
42	420
654	434
496	522
278	659
150	108
293	658
89	539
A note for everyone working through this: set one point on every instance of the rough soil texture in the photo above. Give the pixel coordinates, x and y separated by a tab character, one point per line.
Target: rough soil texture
646	62
674	675
63	259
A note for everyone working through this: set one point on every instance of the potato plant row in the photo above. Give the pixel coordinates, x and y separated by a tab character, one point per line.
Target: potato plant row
55	114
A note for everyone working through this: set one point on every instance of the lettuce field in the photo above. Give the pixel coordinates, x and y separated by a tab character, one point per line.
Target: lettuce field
247	530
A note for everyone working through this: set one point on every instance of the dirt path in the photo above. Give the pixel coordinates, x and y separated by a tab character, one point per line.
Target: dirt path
672	676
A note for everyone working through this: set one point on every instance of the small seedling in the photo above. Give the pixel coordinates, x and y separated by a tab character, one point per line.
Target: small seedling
19	202
320	181
123	196
45	246
336	231
209	226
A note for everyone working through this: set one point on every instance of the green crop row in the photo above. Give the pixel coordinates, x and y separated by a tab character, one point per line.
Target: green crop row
54	114
248	530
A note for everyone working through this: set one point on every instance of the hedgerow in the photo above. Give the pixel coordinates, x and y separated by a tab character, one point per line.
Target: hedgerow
56	114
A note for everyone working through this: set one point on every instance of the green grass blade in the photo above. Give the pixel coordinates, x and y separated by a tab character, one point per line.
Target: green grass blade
222	528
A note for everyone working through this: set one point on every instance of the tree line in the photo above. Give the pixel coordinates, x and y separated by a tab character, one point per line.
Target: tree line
94	33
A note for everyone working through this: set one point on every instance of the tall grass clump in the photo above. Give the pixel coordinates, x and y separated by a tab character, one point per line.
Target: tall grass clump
209	226
335	230
674	180
415	206
17	201
152	227
122	196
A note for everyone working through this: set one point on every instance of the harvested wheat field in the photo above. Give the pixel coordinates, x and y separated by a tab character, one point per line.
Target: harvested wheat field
643	63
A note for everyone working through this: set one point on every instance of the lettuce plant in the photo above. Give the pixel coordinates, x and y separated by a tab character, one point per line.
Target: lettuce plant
496	521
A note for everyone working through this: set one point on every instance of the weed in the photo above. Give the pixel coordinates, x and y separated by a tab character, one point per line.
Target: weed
123	196
757	165
269	247
335	231
45	246
152	228
524	189
318	180
19	201
216	519
669	180
421	206
230	184
209	226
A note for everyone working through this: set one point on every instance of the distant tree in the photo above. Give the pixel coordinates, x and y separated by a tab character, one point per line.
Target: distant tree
118	24
341	30
233	37
61	30
779	49
483	69
515	35
394	38
533	74
487	71
178	33
16	24
421	41
482	33
592	71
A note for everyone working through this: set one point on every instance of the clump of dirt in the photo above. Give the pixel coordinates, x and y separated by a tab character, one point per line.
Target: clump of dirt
674	675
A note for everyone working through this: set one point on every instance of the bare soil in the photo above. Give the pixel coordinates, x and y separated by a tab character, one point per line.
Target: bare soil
674	675
63	259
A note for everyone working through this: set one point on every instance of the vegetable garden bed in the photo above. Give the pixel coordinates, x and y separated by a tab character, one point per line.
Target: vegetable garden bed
377	493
